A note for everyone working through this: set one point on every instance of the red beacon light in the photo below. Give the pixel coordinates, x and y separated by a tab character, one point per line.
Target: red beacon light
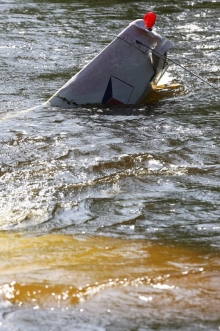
149	20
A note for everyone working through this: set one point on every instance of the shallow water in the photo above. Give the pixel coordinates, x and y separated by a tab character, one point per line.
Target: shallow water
109	218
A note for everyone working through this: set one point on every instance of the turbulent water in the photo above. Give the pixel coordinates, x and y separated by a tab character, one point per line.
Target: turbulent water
109	218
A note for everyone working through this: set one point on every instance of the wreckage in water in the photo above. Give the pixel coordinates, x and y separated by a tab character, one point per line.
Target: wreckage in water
124	73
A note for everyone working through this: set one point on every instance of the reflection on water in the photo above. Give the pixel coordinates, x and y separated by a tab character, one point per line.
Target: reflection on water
94	275
109	218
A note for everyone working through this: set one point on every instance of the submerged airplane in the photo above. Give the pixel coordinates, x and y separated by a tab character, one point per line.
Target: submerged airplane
124	73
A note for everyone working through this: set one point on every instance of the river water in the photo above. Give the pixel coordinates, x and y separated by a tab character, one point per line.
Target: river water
109	218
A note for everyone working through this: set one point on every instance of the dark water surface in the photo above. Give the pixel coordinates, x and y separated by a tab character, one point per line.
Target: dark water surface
109	218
